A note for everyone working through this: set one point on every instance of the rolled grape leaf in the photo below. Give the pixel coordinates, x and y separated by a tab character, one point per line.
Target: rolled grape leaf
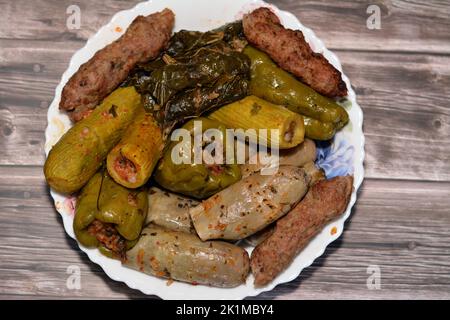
198	72
228	37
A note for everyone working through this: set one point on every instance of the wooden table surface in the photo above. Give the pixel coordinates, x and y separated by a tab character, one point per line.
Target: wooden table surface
400	225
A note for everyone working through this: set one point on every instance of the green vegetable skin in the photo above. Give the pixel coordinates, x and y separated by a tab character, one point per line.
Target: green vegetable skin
196	180
131	162
109	202
317	130
273	84
255	113
184	43
80	152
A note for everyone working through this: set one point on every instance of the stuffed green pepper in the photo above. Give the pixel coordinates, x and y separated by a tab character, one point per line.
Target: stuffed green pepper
191	178
109	216
270	82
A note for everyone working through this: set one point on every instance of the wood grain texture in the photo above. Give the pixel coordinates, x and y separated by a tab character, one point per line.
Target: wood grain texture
341	24
390	227
401	222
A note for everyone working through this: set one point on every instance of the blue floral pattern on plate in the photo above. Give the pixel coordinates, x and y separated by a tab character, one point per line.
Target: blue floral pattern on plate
335	157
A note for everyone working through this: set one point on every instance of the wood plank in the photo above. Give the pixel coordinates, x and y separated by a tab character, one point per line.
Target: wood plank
402	22
401	74
35	250
404	98
401	226
406	26
406	114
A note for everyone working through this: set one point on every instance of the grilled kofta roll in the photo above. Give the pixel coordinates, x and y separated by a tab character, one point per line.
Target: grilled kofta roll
289	49
94	80
325	201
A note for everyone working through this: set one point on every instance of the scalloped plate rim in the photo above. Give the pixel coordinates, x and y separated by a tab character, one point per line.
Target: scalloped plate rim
110	267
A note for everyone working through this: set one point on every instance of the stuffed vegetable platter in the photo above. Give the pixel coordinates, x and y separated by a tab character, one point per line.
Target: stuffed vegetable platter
205	150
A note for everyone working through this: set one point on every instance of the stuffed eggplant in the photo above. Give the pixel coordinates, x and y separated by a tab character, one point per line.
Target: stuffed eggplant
250	204
184	257
170	210
297	156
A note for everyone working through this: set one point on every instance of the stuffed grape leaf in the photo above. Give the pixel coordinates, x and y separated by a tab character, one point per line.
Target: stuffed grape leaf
198	72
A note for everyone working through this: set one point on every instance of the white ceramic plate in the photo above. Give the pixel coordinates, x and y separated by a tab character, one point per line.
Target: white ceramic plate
344	155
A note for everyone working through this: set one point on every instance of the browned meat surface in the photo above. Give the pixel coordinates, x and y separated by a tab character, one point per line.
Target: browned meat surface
326	200
94	80
109	237
289	49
